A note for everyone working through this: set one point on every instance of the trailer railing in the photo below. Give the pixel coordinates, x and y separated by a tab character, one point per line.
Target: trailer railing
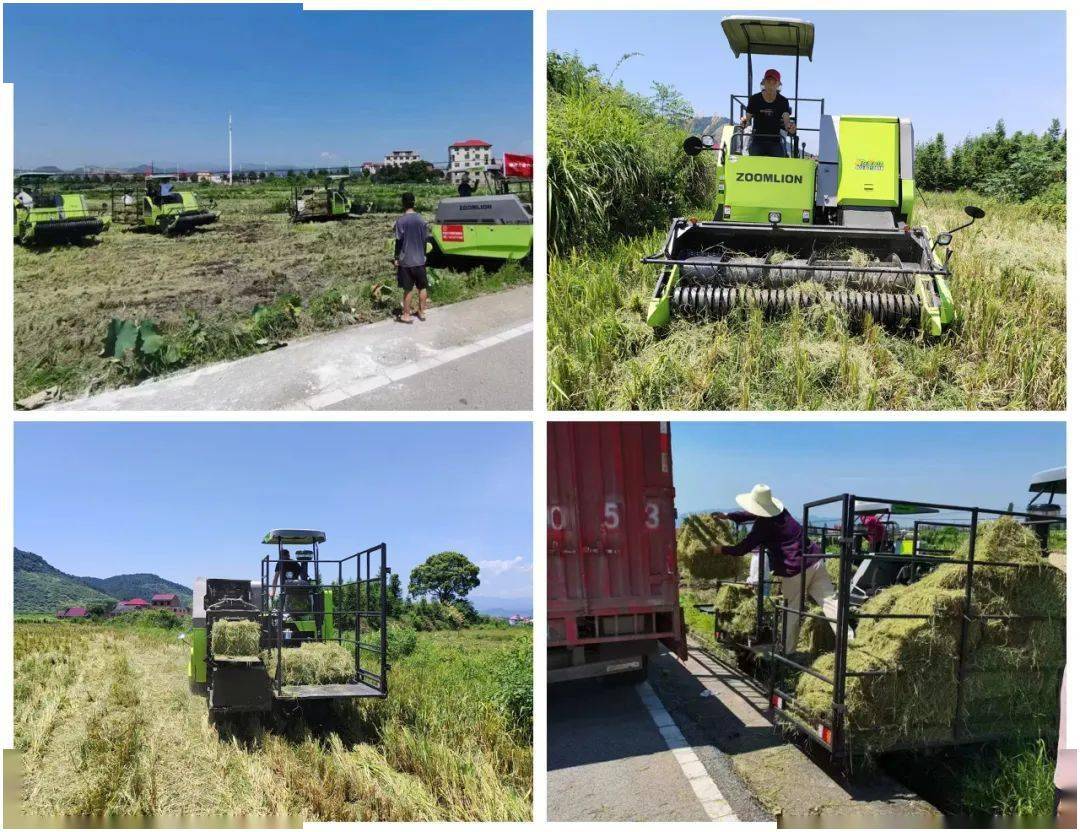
832	732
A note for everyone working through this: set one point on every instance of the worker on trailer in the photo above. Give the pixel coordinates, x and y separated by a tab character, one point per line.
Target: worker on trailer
782	536
770	112
24	198
875	531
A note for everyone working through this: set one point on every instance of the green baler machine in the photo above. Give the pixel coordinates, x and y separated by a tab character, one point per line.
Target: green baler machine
43	216
841	219
330	202
480	230
161	208
308	599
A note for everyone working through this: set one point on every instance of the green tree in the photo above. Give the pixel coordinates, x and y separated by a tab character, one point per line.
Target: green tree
447	575
393	591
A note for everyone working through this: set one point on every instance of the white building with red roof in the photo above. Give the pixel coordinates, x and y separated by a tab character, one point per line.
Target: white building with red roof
468	156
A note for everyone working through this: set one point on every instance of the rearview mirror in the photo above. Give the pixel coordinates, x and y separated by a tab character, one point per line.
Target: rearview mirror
692	146
707	141
974	212
943	239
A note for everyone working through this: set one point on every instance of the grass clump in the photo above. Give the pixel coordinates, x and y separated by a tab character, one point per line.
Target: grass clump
313	663
235	638
1014	667
695	541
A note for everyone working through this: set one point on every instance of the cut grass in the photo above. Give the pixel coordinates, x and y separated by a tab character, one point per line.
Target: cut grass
106	725
225	291
1005	351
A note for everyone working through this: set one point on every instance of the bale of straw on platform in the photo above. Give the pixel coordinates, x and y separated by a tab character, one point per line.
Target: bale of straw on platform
235	638
1014	667
695	541
313	663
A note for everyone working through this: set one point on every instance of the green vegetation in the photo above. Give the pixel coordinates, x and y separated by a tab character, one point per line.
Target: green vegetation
615	163
106	725
232	289
617	175
447	576
1006	350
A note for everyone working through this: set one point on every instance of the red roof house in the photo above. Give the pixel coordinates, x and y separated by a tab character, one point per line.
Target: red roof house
170	600
472	143
72	612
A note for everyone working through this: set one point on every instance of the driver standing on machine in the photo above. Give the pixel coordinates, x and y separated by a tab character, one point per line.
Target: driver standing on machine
770	112
286	570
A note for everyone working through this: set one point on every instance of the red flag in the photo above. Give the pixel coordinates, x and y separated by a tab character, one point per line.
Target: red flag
518	165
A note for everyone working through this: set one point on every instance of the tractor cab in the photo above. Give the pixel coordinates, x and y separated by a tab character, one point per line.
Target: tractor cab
45	216
889	546
1046	486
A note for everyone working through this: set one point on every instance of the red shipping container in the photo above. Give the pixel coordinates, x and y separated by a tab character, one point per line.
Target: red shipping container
613	580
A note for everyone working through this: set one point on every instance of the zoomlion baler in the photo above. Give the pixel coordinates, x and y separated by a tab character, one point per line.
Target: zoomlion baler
297	600
329	202
480	230
841	221
161	208
44	217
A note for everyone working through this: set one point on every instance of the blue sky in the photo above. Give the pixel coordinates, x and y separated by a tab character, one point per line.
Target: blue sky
189	499
950	72
984	464
127	84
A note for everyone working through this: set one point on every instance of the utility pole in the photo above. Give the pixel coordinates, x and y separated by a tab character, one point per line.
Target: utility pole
230	148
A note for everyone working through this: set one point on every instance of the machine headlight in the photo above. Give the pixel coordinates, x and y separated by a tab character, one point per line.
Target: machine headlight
720	187
806	216
774	217
727	212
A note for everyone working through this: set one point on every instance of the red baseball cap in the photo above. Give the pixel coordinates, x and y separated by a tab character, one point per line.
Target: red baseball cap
771	73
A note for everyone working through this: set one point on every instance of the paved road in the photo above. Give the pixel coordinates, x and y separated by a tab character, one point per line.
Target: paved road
471	355
609	759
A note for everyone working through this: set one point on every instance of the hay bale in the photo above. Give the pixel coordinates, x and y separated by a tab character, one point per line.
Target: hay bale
312	663
736	607
235	638
1014	667
694	542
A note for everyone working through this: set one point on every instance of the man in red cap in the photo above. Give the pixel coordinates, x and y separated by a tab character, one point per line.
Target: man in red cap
771	112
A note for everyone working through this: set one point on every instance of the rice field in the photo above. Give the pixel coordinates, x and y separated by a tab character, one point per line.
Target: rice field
241	285
106	726
1005	351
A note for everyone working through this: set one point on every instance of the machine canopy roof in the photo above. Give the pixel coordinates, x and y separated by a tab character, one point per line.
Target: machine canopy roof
296	537
769	36
1052	479
866	507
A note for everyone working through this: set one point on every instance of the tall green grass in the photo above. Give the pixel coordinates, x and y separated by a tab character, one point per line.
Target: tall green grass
615	165
1006	350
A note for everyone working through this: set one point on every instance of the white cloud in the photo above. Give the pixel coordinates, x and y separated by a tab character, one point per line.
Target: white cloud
498	567
326	154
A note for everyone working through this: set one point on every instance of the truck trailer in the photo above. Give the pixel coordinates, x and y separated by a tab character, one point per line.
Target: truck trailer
613	580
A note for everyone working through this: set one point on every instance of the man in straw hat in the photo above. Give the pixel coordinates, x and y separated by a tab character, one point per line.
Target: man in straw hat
775	529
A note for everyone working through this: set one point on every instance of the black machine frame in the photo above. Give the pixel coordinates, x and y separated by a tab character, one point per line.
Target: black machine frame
365	572
831	734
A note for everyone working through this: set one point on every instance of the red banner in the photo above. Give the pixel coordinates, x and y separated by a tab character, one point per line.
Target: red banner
518	165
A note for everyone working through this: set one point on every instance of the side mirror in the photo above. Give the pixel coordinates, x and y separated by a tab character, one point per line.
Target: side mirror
974	212
943	239
707	141
692	146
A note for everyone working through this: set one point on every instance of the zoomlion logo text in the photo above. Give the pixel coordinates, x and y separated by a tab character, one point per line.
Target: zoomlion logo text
782	178
869	164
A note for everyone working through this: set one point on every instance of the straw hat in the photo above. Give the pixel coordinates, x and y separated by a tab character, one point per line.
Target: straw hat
760	502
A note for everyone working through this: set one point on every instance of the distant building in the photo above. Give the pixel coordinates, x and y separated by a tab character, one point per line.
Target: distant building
469	156
205	176
168	600
399	158
519	620
71	612
371	167
134	605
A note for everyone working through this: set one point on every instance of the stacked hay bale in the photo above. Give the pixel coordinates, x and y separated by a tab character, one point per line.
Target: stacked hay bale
312	663
698	534
230	639
1014	667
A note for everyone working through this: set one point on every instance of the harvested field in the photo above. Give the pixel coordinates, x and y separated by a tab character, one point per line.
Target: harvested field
226	290
106	725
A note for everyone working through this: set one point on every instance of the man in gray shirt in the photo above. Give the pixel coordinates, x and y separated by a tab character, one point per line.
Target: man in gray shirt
410	257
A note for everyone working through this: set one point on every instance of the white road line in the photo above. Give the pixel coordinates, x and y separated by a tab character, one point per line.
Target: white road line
712	799
326	398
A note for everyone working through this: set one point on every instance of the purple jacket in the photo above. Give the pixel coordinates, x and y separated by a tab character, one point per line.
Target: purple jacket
782	538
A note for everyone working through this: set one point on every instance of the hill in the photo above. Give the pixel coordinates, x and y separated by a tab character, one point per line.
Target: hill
707	125
138	585
41	587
